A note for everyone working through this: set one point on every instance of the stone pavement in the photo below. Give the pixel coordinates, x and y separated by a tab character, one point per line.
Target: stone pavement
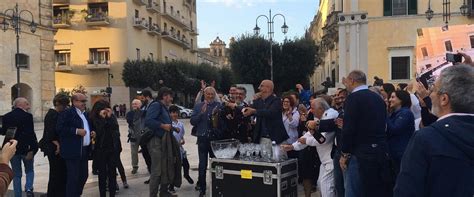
137	187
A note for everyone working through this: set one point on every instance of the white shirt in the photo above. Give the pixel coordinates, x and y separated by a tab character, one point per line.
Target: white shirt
87	138
291	127
324	149
454	114
362	87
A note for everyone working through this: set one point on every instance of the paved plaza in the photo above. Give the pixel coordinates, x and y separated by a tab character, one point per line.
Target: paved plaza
137	187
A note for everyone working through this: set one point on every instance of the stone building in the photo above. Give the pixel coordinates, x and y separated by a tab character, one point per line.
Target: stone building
96	37
37	57
216	55
377	37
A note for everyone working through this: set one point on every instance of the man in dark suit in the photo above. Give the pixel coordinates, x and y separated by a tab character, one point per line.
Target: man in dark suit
439	159
27	143
363	145
267	108
75	140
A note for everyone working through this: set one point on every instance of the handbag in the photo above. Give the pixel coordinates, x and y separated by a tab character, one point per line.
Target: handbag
146	135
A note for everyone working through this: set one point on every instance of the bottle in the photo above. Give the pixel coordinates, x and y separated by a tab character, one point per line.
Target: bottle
275	152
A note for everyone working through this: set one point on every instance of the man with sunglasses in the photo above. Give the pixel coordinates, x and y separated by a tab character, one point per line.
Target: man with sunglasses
75	136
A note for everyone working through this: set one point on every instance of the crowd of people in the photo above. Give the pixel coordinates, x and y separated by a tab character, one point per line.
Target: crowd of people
380	140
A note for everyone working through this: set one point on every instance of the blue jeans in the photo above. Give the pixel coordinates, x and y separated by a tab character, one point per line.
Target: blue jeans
204	152
17	171
352	182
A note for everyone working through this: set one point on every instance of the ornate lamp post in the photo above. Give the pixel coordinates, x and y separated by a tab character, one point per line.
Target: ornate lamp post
270	25
14	17
464	9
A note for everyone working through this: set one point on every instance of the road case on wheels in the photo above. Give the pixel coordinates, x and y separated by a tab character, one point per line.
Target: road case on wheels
238	178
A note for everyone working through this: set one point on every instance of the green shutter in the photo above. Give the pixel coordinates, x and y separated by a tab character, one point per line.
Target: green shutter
412	7
387	7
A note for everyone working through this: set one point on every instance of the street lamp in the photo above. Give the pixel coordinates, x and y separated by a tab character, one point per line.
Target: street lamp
108	90
429	13
270	23
15	19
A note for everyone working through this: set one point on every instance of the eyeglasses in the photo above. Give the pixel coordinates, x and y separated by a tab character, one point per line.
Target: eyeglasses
83	101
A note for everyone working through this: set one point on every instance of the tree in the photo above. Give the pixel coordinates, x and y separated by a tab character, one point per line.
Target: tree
293	61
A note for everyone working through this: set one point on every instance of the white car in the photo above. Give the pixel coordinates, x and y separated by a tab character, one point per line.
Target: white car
184	112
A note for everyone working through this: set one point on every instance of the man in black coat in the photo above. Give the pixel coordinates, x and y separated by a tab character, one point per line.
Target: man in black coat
363	145
75	135
439	159
27	143
267	108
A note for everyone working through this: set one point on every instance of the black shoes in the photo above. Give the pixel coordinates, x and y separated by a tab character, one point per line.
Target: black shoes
135	170
30	193
167	194
197	188
147	181
189	179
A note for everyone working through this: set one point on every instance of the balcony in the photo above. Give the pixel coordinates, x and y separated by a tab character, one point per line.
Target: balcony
330	30
153	7
97	19
95	65
154	30
62	67
61	22
140	23
60	1
194	32
172	37
139	2
175	18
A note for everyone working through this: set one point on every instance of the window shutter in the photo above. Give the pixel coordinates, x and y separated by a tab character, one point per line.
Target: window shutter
387	7
412	7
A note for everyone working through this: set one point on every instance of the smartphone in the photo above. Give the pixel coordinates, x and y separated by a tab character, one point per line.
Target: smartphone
9	135
424	79
454	58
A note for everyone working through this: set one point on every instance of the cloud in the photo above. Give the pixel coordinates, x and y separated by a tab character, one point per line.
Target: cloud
241	3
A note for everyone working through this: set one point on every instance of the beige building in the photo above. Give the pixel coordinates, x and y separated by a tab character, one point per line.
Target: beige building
377	37
96	37
216	55
36	62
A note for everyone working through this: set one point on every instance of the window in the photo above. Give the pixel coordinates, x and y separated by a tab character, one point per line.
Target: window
61	14
165	27
138	54
220	52
424	52
400	67
98	9
192	44
448	46
137	14
150	21
99	56
151	56
62	57
472	41
23	61
400	7
420	32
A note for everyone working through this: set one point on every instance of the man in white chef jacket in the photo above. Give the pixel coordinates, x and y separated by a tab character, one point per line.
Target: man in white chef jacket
322	111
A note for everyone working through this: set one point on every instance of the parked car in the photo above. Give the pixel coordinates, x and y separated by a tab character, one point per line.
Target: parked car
184	112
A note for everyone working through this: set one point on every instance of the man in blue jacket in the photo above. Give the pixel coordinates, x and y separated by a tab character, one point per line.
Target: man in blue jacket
27	144
206	131
158	120
439	159
75	135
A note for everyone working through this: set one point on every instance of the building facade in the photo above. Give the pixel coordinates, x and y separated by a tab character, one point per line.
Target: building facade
96	37
377	37
216	55
36	59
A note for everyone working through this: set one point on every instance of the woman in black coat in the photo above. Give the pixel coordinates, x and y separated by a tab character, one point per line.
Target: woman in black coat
106	145
50	146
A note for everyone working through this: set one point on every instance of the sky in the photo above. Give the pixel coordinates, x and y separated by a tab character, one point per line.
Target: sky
232	18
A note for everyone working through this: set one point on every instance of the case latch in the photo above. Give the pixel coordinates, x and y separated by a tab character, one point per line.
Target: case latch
267	177
219	172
